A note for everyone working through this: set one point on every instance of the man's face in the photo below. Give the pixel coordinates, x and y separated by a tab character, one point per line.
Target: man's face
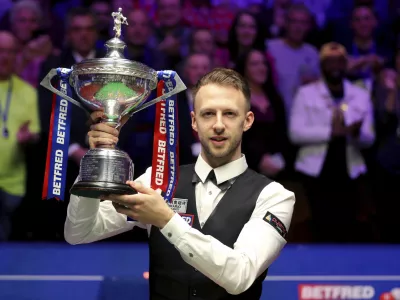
8	52
82	34
169	12
196	67
297	25
26	21
334	69
363	22
220	117
138	31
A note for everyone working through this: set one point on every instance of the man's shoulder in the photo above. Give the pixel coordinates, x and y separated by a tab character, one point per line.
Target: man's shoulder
258	177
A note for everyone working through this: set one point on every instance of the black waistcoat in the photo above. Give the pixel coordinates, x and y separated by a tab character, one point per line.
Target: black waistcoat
173	279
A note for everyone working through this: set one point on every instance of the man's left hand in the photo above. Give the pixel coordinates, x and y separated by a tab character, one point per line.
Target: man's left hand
24	135
147	207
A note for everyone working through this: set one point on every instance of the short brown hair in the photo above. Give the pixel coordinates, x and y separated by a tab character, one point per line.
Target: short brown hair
225	77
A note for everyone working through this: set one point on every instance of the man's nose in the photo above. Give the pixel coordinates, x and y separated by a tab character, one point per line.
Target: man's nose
219	125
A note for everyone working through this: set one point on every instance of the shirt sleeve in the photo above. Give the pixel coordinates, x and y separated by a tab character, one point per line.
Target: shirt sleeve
90	220
256	248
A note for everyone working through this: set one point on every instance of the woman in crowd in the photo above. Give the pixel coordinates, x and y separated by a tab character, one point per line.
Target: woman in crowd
266	144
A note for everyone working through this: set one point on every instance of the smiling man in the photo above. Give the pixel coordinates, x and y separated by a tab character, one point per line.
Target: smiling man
232	221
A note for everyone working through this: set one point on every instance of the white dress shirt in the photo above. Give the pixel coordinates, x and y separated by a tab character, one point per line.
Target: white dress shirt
311	126
257	246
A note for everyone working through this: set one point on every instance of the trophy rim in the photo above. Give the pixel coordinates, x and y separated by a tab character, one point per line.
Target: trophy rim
119	66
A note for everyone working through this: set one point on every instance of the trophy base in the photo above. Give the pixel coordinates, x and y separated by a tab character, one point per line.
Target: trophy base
96	189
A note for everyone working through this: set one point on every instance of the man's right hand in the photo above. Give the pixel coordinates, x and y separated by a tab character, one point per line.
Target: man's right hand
101	134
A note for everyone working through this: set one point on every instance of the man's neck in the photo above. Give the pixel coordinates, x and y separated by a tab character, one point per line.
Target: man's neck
293	44
363	43
84	54
215	162
335	87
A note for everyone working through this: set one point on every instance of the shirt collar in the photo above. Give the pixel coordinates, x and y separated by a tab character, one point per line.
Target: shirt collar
222	173
78	58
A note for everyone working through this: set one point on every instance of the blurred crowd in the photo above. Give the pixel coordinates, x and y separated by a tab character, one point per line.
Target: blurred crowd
324	76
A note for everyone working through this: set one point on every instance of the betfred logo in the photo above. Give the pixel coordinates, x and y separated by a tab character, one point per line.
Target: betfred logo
331	292
188	218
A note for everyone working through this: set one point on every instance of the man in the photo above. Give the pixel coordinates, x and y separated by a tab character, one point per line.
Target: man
331	121
296	61
239	218
19	127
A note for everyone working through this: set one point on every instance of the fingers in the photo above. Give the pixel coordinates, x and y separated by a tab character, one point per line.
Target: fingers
102	135
96	116
104	128
125	211
140	188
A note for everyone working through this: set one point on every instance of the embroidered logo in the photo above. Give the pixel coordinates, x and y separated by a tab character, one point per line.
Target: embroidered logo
188	218
276	223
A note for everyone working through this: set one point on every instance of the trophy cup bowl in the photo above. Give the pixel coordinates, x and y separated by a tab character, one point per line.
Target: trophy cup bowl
118	87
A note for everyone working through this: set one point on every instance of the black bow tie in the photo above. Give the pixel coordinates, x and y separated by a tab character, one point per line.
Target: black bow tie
223	186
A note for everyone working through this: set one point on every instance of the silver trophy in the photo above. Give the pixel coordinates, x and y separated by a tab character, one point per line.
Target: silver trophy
119	87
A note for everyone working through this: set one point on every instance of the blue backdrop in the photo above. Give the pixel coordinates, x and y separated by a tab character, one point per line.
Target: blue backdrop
116	271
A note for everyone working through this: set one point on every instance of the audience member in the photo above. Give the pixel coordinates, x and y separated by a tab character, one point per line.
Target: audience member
20	126
296	61
266	144
331	120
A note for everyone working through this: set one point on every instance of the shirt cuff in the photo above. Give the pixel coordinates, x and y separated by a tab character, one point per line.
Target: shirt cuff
175	229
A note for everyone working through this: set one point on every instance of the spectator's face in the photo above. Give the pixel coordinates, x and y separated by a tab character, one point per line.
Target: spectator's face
203	42
220	117
24	24
256	68
82	34
363	22
103	13
246	30
169	12
8	50
196	67
138	31
334	69
297	26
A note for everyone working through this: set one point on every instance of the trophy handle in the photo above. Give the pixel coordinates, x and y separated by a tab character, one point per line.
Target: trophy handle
46	82
179	87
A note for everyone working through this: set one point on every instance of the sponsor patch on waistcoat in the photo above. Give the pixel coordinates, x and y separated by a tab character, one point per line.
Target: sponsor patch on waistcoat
276	223
178	205
188	218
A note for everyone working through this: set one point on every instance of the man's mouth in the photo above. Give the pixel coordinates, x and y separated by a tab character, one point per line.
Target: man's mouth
219	138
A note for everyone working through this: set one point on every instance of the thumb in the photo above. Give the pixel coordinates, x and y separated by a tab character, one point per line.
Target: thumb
140	188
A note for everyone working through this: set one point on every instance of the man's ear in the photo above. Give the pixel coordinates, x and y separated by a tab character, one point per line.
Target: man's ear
194	123
248	121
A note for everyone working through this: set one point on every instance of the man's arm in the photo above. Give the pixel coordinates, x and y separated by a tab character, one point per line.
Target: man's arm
89	220
256	248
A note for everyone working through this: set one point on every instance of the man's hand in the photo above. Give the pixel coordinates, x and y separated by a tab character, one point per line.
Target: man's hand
24	135
101	134
338	128
354	129
147	207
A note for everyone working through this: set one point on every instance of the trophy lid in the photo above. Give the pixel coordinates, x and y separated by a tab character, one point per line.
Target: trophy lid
114	61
